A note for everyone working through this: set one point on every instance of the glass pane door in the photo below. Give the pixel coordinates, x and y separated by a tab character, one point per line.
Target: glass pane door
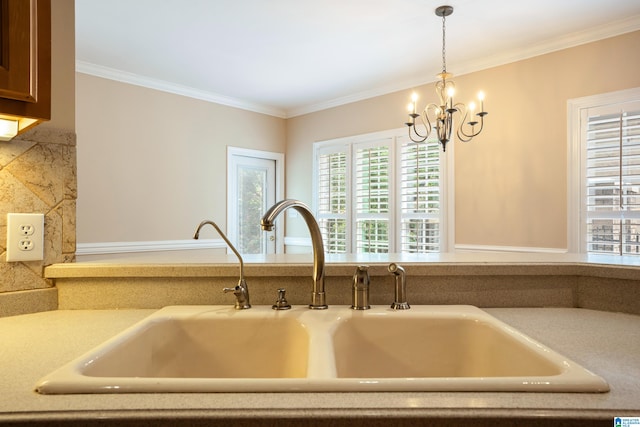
254	183
253	200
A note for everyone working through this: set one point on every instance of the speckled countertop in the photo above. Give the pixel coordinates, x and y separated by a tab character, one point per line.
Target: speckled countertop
604	342
480	279
603	336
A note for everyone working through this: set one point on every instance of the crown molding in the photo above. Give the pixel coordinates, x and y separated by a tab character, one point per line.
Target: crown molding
165	86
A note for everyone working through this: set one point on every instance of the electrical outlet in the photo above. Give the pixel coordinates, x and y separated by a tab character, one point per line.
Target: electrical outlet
25	237
26	229
25	245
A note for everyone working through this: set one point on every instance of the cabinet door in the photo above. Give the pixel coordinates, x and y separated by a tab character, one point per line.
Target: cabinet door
25	58
18	64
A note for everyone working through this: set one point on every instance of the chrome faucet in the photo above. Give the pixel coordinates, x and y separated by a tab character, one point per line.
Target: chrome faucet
241	291
400	300
267	222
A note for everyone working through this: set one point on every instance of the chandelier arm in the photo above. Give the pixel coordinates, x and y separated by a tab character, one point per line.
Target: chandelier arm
461	107
460	133
481	126
419	138
462	136
424	116
427	125
471	135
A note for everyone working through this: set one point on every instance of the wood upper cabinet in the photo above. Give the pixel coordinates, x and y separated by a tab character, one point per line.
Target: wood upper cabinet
25	61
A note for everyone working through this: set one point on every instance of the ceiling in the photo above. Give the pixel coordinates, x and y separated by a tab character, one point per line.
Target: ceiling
291	57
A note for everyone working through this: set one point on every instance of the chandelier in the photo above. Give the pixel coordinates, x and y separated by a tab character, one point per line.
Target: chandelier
442	115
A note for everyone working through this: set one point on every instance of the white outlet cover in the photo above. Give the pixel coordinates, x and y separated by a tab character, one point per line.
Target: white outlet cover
16	224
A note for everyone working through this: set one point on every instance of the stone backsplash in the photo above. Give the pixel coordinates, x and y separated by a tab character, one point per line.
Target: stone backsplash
37	175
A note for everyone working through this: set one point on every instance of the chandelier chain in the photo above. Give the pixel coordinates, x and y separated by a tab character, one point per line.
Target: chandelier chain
444	60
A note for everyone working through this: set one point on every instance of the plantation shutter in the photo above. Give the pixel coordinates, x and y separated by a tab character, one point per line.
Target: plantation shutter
371	192
612	179
332	198
420	197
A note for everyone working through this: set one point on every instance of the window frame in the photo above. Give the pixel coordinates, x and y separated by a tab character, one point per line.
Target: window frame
577	110
397	137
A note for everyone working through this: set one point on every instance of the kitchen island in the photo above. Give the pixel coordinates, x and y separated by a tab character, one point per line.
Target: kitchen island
569	304
35	344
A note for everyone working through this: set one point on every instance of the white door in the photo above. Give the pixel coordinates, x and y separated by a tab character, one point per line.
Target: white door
253	188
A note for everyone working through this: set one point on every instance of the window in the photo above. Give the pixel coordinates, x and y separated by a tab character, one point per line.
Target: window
608	148
380	193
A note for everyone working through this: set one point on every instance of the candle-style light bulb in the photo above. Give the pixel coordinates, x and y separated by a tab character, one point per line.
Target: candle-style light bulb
450	92
472	107
414	98
481	99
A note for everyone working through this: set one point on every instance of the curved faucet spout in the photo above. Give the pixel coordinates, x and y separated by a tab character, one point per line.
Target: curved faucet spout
214	225
241	291
318	301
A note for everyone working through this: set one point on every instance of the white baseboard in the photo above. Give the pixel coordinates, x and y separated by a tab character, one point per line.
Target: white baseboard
489	248
104	248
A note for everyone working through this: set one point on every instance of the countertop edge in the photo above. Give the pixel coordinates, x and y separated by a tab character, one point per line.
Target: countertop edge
320	416
266	269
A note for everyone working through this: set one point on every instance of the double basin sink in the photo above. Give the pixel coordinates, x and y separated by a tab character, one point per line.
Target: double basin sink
219	349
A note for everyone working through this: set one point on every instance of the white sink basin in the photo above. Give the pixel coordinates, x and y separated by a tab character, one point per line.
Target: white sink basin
219	349
208	347
427	347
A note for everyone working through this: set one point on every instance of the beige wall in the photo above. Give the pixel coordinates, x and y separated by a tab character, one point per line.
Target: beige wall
38	175
152	165
510	182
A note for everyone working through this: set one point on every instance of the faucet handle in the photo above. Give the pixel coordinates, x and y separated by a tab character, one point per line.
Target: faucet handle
241	291
281	303
360	289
